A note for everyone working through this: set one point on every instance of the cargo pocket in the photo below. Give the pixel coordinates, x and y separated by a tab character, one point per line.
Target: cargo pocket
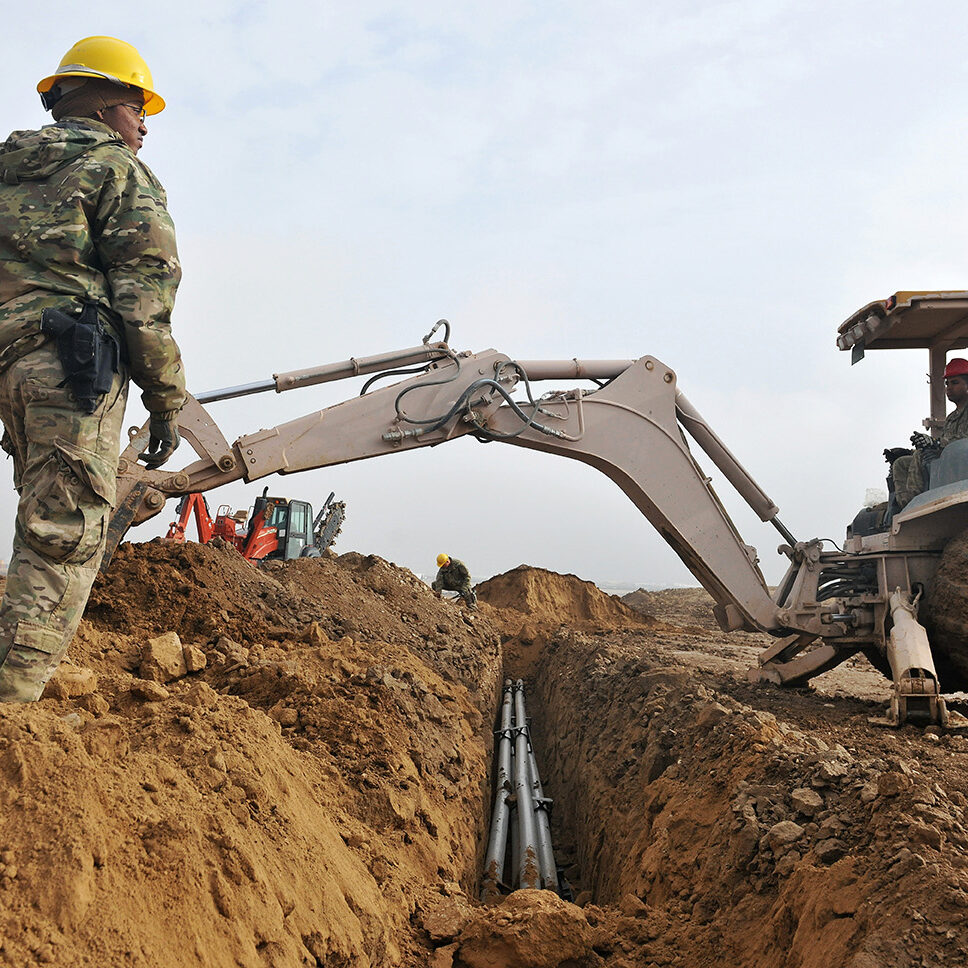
38	638
65	506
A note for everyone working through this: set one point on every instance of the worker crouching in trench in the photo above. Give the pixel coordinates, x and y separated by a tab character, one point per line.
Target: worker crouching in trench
454	576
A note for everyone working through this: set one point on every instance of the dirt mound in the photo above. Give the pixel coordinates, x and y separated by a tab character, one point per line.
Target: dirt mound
701	823
552	599
677	606
289	803
529	604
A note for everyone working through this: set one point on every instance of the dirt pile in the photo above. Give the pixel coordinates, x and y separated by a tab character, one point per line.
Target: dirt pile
528	605
550	599
293	802
678	606
289	766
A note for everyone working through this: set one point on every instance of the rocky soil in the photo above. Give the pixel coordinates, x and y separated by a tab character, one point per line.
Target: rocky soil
289	766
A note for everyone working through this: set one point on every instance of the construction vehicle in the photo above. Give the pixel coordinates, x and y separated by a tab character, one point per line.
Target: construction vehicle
278	528
832	603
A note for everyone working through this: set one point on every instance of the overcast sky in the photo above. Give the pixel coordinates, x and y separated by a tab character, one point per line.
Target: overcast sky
717	184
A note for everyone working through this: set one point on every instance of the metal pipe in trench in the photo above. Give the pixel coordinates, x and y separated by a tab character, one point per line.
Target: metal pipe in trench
498	839
523	816
528	864
542	813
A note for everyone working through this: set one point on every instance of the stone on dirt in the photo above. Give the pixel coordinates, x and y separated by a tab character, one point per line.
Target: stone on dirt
445	918
149	690
892	784
70	681
830	850
195	658
163	658
807	802
783	834
529	929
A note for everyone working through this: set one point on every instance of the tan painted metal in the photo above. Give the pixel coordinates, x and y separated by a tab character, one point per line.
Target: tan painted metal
627	429
935	321
917	694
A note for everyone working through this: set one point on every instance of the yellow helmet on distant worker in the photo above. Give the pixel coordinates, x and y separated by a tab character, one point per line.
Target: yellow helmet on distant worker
107	58
442	559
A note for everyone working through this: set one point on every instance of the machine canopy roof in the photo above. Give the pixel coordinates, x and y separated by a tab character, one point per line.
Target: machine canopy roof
908	320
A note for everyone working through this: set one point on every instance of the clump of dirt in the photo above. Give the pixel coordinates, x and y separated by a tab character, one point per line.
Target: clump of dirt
289	765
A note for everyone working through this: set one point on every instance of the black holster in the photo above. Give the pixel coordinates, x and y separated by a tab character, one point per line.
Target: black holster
88	351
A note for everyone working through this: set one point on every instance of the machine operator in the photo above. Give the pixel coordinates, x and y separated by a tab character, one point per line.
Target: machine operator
88	273
909	468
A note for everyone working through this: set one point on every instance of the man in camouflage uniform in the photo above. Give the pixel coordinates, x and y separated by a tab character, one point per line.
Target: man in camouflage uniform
909	472
82	222
453	576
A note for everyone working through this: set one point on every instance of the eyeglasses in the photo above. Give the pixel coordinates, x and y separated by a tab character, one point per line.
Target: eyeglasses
137	108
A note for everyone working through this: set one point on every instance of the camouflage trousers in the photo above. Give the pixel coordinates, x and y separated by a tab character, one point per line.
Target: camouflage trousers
465	591
65	467
908	477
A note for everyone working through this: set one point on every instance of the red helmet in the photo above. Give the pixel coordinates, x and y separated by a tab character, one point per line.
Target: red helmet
956	367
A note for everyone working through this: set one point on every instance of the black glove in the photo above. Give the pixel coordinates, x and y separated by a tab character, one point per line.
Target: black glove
926	446
163	439
892	453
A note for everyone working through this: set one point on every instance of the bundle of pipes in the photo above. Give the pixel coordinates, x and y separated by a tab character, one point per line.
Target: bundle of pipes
520	807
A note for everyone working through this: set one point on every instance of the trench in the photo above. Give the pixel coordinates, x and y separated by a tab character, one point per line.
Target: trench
614	748
670	798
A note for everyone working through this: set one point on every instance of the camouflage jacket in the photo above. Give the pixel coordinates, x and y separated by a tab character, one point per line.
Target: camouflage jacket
955	426
454	575
81	218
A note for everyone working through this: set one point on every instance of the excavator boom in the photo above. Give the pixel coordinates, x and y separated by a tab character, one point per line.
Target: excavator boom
628	429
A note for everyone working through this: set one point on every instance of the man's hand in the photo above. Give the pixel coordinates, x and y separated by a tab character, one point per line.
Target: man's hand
927	447
163	439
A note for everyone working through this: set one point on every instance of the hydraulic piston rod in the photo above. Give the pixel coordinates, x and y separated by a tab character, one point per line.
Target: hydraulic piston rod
916	688
427	353
329	372
732	469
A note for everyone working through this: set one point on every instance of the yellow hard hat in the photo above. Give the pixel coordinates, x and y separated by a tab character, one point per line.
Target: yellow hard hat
108	58
442	559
